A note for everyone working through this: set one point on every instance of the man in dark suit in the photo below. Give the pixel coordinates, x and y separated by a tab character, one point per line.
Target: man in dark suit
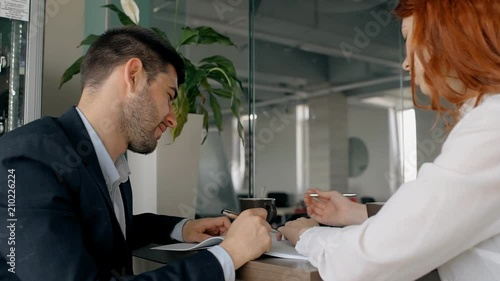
64	188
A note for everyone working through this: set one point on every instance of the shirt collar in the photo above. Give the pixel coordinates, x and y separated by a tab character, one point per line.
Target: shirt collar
468	105
112	172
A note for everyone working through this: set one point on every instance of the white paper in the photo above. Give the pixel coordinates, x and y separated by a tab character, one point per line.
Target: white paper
284	249
15	9
182	247
279	249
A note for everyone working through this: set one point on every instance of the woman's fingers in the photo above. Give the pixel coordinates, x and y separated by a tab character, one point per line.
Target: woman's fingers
318	205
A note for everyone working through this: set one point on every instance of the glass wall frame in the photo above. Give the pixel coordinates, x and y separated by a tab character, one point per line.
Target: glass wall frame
21	58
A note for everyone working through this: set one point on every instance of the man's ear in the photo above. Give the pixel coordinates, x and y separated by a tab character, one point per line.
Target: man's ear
135	76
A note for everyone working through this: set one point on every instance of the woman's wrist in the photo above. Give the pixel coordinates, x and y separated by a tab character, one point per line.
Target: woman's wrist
360	214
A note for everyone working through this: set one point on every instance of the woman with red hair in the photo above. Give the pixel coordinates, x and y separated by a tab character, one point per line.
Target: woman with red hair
449	217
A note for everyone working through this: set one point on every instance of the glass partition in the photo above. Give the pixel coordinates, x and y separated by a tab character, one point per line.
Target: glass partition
223	170
326	102
13	34
330	98
21	50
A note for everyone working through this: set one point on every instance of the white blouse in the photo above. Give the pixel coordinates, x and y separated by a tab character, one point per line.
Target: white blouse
449	217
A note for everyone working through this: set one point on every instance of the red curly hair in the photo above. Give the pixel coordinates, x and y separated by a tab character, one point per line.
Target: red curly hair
457	36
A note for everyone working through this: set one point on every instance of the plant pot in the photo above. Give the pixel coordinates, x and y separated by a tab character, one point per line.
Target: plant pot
165	181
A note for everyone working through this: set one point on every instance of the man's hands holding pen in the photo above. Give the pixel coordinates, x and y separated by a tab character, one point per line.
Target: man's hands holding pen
202	229
248	237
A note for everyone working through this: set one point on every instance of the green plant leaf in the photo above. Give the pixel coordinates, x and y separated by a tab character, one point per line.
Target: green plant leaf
192	86
181	109
214	104
89	40
161	33
205	122
188	36
221	62
205	85
203	35
222	93
239	84
72	70
218	74
209	36
221	70
218	77
235	109
124	19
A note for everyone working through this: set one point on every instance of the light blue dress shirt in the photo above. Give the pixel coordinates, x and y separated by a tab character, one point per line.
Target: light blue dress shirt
117	173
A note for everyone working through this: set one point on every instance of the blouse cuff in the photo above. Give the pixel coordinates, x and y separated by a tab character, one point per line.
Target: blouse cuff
310	246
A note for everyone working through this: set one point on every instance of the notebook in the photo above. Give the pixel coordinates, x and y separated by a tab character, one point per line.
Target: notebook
280	249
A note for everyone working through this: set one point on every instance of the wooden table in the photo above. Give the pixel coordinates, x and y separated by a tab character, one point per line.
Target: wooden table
276	269
263	269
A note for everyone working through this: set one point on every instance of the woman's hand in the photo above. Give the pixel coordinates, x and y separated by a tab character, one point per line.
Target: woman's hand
331	208
293	229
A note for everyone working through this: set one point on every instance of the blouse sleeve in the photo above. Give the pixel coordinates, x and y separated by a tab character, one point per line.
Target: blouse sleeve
453	205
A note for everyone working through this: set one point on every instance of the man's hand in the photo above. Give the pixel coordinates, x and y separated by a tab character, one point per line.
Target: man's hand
249	237
293	229
202	229
332	208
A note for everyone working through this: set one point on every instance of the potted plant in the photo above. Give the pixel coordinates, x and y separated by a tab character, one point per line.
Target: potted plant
197	94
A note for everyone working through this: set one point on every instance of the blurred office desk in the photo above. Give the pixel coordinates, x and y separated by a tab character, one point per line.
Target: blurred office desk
285	213
263	269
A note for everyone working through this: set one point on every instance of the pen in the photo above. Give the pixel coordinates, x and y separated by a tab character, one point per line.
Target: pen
344	194
230	214
233	215
316	195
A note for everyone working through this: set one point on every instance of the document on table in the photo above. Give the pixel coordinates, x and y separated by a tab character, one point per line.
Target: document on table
182	247
279	249
284	249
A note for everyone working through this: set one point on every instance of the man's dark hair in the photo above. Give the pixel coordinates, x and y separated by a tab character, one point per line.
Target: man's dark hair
117	46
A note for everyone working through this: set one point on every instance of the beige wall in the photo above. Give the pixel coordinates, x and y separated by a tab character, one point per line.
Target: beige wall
328	143
63	32
371	125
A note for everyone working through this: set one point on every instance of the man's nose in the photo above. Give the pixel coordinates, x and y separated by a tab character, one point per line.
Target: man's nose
170	120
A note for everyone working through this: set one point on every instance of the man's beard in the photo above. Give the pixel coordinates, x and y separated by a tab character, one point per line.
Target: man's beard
139	122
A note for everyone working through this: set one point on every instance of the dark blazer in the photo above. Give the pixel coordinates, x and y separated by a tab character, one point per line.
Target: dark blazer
66	228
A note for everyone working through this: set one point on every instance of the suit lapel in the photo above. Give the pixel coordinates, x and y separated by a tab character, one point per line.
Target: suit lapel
75	131
126	191
77	134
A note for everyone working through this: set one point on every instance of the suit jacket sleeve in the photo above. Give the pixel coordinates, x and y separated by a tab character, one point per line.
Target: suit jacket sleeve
202	266
49	241
150	228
